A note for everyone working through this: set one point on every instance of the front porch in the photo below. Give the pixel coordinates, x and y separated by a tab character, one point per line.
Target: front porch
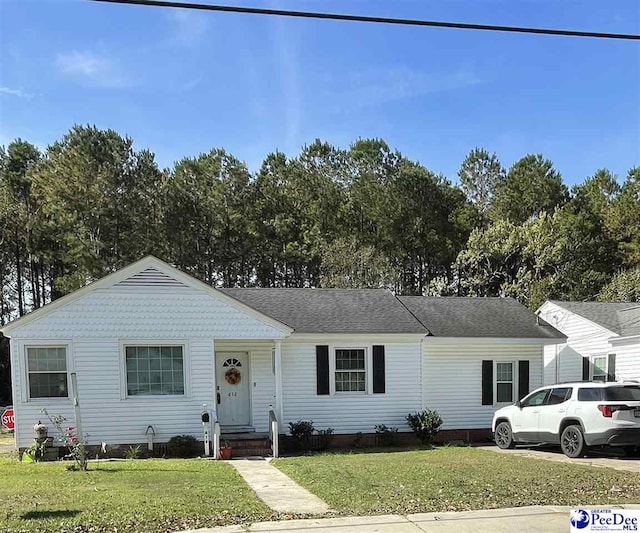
248	385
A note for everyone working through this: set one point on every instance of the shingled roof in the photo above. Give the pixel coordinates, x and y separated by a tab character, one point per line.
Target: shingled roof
379	311
479	317
622	318
332	310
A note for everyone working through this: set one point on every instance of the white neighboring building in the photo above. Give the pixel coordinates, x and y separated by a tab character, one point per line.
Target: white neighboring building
152	346
603	341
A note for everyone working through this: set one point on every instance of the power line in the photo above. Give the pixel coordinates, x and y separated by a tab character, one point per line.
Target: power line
378	20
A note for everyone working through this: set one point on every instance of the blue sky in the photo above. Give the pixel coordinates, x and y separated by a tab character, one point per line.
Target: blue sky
180	83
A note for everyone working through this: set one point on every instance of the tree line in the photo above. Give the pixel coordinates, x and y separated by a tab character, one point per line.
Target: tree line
365	216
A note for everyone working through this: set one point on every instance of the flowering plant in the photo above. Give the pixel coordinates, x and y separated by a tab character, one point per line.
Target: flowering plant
69	437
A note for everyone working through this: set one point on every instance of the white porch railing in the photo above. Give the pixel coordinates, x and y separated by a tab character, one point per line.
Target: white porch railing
273	431
216	440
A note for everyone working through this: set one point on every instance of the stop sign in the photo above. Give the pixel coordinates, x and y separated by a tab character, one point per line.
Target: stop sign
8	419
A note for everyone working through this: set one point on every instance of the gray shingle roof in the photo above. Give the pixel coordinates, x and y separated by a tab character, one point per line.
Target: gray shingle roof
622	318
331	310
478	317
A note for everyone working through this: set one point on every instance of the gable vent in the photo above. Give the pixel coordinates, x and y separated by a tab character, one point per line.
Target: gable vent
149	277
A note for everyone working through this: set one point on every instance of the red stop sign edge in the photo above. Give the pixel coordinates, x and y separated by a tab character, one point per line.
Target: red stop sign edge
8	419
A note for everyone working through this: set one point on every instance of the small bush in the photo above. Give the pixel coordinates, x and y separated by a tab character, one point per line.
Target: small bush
425	425
301	431
133	452
183	446
386	436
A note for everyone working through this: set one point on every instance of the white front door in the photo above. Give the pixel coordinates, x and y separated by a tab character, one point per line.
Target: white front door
232	384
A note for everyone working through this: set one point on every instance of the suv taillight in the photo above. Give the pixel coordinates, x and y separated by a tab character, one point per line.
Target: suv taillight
605	410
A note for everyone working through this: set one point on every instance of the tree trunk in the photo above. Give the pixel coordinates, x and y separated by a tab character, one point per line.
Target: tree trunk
19	275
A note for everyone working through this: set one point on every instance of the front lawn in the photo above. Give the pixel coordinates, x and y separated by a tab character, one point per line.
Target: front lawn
453	479
6	438
154	495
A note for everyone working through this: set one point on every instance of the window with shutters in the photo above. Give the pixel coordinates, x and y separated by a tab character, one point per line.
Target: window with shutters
599	368
504	382
350	370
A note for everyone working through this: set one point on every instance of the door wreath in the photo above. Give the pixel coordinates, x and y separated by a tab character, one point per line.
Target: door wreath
233	376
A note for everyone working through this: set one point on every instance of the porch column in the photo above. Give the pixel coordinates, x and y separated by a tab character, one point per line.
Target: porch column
278	371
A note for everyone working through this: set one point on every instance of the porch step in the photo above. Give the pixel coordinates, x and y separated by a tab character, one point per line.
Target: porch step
249	452
248	444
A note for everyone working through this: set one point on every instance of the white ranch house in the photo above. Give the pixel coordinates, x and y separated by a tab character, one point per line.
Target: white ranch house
603	341
151	345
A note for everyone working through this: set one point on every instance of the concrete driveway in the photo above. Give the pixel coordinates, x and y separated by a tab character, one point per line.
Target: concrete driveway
601	459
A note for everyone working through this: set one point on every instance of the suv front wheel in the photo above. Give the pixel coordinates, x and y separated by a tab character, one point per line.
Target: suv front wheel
572	442
504	436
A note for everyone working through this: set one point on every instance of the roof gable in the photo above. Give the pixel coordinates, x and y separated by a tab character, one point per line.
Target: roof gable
144	274
621	318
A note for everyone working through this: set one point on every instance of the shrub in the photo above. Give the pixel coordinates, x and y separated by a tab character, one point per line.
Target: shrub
301	431
133	452
425	425
183	446
386	436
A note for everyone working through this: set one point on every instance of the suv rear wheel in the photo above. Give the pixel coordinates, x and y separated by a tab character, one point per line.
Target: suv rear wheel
572	442
504	436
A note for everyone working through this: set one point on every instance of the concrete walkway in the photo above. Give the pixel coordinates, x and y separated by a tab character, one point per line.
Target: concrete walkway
625	464
276	489
550	519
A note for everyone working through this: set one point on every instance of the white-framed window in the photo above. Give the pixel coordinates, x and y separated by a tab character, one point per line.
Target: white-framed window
350	370
599	368
47	374
505	389
154	370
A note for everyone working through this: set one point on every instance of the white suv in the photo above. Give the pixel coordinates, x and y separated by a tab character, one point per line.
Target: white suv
574	415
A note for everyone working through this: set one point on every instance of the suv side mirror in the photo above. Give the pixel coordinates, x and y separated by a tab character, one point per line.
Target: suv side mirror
518	404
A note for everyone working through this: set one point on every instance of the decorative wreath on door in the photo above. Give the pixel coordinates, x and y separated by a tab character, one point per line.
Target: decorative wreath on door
233	376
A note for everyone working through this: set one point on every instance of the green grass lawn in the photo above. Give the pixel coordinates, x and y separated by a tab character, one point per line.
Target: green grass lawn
153	495
453	479
6	438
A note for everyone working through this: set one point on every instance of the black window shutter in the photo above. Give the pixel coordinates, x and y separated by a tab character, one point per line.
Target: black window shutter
586	369
322	369
487	382
378	370
611	367
523	379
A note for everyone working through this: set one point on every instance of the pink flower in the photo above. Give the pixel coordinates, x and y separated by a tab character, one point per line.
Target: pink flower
74	439
70	428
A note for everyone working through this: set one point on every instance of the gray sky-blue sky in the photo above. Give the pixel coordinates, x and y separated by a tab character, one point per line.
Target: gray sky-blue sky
181	82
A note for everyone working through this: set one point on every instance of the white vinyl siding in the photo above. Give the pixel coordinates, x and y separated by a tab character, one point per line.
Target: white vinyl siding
584	339
453	377
351	412
628	360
